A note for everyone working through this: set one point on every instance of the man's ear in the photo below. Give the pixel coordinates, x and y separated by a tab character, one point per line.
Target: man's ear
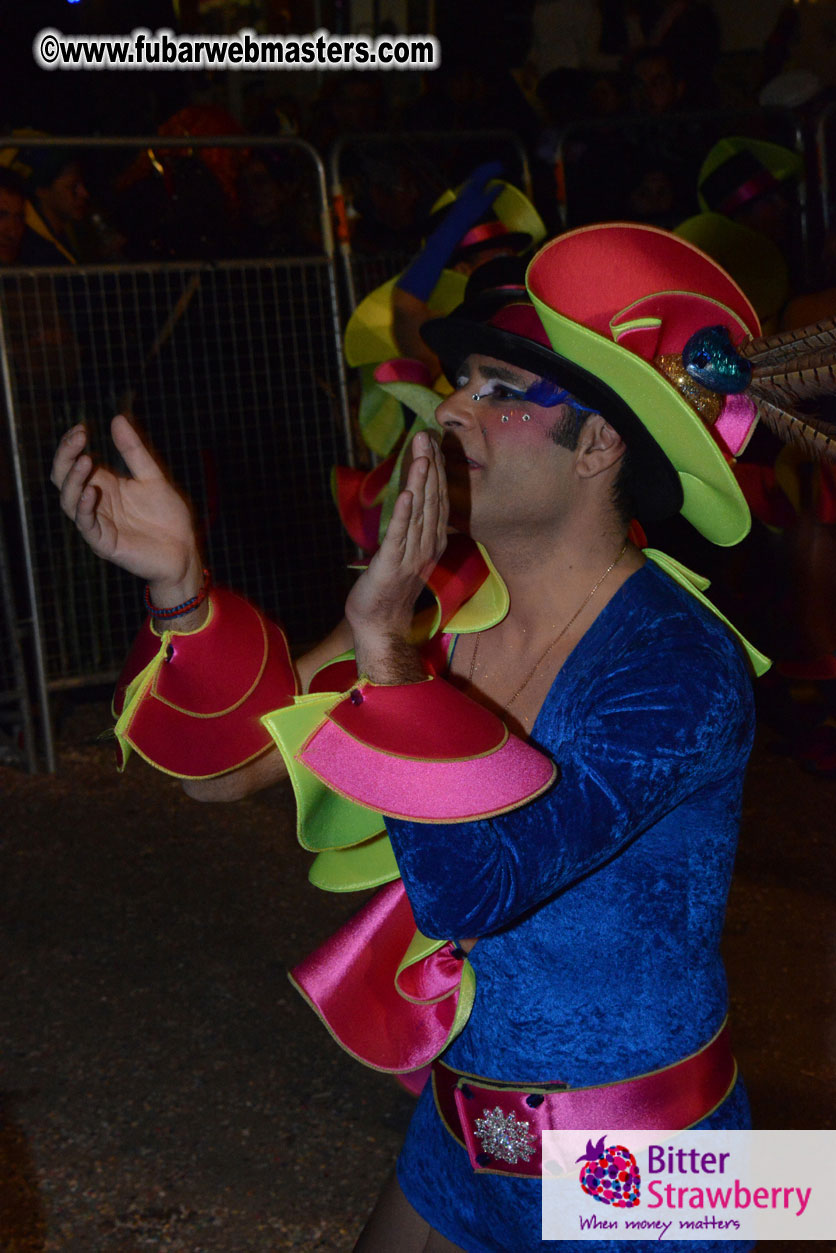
599	447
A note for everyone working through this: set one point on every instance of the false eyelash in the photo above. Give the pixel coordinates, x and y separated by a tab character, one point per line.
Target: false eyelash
501	392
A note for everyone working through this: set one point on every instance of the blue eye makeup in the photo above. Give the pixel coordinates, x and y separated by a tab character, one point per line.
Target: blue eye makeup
543	392
549	394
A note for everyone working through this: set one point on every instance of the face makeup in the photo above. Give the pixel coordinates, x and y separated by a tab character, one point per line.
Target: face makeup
506	403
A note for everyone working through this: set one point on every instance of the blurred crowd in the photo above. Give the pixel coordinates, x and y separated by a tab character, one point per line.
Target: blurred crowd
613	105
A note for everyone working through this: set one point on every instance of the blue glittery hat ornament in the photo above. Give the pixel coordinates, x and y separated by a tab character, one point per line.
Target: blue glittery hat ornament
711	358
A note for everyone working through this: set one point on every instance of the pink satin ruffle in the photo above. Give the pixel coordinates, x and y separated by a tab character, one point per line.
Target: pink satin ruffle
351	982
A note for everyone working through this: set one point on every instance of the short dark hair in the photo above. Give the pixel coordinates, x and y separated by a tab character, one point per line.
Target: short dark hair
11	181
653	52
566	430
47	164
566	433
623	494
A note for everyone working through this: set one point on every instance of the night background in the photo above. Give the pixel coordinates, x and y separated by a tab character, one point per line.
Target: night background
162	1086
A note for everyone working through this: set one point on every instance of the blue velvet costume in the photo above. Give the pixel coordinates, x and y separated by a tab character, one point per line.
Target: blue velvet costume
599	906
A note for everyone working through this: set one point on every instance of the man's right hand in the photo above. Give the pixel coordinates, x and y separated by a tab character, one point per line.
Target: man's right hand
381	605
140	522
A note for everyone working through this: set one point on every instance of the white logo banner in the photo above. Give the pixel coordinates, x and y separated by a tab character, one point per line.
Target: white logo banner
689	1185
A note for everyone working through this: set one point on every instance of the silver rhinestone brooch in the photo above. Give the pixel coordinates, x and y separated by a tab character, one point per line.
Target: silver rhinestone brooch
504	1137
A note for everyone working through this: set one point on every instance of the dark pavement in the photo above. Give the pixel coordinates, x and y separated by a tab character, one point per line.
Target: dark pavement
163	1086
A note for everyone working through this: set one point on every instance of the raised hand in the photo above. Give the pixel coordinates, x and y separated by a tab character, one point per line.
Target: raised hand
381	604
140	522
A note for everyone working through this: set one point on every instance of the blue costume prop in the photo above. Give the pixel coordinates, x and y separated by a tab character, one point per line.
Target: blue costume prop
477	196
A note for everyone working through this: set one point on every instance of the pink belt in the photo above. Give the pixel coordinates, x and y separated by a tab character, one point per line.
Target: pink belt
500	1123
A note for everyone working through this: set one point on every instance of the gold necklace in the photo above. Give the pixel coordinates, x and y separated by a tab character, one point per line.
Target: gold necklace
556	639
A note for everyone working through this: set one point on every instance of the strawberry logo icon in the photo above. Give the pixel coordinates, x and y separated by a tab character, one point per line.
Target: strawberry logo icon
610	1175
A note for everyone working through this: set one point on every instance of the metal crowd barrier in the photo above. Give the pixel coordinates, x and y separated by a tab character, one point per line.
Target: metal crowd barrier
235	371
18	741
826	154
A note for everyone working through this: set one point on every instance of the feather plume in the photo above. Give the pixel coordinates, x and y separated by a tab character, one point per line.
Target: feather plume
808	431
787	345
806	361
799	384
793	385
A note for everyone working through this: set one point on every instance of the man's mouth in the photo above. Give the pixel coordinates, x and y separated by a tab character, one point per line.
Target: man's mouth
456	458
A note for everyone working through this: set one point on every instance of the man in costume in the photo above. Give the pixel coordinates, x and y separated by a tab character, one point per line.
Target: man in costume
561	776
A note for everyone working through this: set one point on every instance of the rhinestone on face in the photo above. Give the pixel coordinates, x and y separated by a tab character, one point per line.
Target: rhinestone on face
526	417
475	396
505	1138
505	417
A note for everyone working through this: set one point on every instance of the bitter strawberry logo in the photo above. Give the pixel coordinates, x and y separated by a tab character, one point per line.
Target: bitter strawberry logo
610	1175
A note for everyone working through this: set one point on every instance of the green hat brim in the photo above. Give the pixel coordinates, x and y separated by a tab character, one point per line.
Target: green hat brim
782	163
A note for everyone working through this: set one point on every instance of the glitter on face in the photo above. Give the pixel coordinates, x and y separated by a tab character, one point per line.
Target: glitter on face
496	395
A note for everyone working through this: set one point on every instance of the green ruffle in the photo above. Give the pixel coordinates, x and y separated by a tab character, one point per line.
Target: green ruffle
696	584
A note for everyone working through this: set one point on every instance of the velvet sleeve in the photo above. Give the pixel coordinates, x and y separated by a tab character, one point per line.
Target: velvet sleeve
671	718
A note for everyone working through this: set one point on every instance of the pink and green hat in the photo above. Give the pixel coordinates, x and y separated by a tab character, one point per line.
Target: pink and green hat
619	303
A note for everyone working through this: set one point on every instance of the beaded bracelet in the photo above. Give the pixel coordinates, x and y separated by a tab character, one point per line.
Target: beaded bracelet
187	606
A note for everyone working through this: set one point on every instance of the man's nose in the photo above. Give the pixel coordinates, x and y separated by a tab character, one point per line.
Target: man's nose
457	410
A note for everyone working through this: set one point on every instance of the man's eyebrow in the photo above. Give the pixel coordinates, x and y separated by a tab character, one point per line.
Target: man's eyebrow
505	373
